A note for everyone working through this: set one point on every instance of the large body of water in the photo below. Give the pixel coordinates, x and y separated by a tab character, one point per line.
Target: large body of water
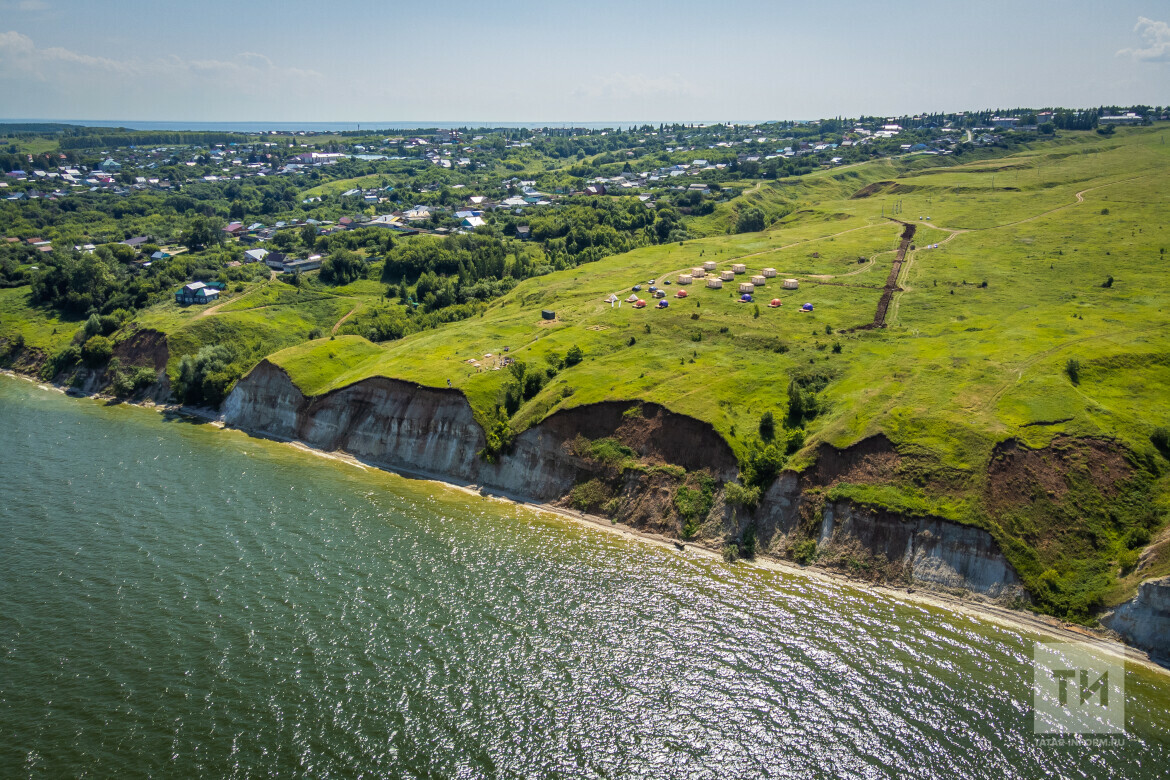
177	601
335	127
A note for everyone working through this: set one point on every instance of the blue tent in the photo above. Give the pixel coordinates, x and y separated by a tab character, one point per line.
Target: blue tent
663	304
807	307
746	298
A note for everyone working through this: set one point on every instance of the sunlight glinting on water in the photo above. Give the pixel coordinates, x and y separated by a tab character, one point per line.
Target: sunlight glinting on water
192	602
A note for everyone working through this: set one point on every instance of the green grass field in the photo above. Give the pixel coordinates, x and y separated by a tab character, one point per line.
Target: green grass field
266	317
956	355
43	328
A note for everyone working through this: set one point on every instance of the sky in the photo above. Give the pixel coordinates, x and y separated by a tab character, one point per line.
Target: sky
559	61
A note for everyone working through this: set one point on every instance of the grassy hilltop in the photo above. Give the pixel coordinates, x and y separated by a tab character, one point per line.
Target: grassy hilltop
976	351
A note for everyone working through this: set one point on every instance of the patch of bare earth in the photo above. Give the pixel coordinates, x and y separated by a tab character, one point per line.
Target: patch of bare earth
869	461
143	348
1019	475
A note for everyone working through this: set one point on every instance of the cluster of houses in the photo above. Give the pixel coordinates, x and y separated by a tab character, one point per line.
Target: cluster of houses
64	180
37	243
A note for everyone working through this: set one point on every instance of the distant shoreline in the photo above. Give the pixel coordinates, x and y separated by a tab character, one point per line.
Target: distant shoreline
264	127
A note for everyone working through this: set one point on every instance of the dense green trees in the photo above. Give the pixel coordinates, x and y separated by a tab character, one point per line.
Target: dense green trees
749	220
85	283
202	232
96	351
767	427
206	377
342	267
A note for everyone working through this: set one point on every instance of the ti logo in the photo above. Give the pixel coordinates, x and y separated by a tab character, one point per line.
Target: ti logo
1076	691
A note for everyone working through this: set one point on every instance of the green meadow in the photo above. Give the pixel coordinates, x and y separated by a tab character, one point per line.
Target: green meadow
956	355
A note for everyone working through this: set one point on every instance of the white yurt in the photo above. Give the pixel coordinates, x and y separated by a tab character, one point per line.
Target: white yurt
715	284
698	273
684	278
770	273
747	287
727	276
759	281
791	284
709	265
739	268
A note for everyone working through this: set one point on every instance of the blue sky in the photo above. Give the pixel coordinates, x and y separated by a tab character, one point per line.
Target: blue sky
353	60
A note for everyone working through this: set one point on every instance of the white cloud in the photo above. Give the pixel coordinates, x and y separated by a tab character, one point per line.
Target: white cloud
1156	36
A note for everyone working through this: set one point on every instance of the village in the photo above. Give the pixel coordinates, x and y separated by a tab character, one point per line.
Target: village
272	199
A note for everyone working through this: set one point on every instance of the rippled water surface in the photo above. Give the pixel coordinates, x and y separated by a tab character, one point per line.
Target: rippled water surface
181	601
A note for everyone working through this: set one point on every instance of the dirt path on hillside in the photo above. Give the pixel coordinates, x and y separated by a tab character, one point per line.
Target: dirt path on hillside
212	310
956	232
352	311
1080	198
324	296
896	301
879	317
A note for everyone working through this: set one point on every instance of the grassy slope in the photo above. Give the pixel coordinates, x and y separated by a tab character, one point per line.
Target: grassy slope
268	316
42	327
986	360
960	367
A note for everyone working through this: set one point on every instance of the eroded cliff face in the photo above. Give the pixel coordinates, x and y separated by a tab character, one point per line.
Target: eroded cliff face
928	551
265	402
539	466
542	463
1144	620
398	425
432	431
